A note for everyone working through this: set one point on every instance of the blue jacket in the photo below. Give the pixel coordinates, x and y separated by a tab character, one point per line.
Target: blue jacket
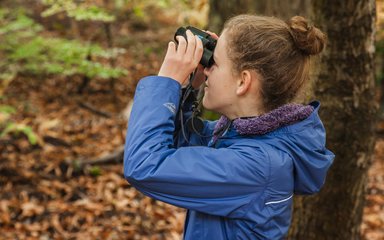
239	188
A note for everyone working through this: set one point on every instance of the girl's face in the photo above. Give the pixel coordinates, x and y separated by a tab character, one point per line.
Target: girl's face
220	92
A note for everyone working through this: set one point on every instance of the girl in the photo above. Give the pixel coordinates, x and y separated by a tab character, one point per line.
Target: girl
238	176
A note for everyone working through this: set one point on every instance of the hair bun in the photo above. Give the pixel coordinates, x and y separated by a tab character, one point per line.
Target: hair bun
307	38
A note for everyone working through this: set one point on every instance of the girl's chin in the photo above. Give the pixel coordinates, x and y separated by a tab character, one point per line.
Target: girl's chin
205	104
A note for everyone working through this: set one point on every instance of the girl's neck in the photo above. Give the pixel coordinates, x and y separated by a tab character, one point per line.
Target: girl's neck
245	109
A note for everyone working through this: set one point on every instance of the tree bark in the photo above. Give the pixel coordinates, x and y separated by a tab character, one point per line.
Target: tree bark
284	9
220	11
345	86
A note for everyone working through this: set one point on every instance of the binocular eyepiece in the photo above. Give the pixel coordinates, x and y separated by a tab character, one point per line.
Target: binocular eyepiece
209	43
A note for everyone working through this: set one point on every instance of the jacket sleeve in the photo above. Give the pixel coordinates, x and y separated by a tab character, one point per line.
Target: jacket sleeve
215	181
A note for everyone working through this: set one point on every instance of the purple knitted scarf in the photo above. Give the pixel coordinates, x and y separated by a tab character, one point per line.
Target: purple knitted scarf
268	122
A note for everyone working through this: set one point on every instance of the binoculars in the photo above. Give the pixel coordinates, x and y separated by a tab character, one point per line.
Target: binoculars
209	43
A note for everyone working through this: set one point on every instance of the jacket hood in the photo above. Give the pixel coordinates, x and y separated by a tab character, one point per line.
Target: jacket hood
296	129
311	158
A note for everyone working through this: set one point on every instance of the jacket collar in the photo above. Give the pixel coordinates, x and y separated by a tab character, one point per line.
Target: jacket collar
265	123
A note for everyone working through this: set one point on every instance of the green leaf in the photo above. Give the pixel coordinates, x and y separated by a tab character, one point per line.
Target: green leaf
95	171
5	113
8	128
92	13
163	3
138	11
17	128
22	22
32	138
7	109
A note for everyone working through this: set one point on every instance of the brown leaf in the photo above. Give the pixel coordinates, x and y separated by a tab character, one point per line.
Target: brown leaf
31	208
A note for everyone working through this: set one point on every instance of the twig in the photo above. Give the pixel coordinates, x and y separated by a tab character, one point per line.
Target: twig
114	157
94	110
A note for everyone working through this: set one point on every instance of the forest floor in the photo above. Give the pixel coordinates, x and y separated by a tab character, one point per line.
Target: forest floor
47	192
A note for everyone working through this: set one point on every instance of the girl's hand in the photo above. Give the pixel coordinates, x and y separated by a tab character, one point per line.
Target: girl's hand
179	62
214	35
200	77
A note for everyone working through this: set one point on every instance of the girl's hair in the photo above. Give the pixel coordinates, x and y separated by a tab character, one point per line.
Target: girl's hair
278	51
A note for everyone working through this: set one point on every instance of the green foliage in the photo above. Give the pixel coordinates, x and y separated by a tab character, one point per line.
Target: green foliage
142	9
95	171
8	127
16	128
6	111
159	3
20	22
77	10
209	115
25	51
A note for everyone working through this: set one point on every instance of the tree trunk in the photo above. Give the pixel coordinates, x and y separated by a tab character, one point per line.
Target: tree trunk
284	9
220	11
345	86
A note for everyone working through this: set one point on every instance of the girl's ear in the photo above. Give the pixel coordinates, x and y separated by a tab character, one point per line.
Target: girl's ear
244	82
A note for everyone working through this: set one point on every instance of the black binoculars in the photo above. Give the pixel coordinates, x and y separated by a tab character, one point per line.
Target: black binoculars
209	43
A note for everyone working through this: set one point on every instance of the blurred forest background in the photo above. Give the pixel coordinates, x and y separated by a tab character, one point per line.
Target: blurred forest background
68	70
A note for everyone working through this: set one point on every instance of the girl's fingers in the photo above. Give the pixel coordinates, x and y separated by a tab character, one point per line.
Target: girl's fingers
214	35
182	58
171	48
182	45
191	45
198	50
